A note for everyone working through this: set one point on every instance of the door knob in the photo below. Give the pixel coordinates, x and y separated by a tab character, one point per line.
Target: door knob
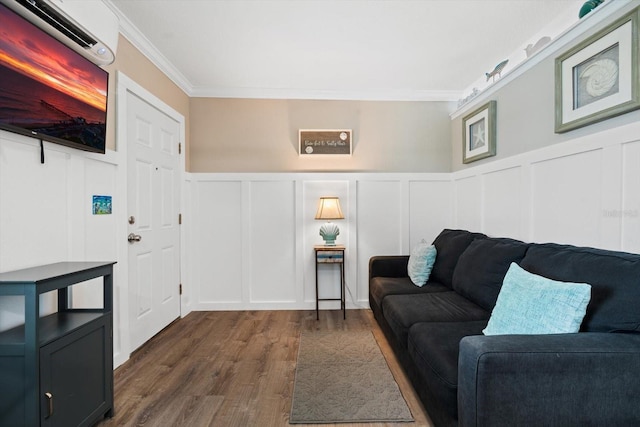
134	237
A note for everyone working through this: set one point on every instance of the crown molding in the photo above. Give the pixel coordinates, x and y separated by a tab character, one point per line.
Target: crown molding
140	41
337	95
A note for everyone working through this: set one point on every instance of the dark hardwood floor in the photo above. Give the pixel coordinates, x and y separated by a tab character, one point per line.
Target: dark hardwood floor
232	368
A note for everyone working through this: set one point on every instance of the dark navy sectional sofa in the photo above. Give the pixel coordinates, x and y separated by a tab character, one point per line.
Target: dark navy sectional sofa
463	378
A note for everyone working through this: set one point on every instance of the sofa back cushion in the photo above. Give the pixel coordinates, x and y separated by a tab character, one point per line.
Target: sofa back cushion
450	244
481	269
614	278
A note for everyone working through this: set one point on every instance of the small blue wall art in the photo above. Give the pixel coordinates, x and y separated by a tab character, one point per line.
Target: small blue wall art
101	205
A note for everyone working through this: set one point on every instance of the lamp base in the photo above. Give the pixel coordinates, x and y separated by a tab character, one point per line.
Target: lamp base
329	232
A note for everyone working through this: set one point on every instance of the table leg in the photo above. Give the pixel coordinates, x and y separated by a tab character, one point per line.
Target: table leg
343	295
317	301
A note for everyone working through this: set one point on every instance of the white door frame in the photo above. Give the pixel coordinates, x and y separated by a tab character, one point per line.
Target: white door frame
121	325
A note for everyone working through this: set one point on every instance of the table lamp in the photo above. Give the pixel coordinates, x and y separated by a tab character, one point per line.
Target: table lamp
329	208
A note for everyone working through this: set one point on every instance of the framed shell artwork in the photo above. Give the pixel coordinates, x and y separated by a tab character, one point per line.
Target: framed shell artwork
598	78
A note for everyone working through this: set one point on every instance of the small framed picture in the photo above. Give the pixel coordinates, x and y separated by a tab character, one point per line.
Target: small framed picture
315	142
102	205
598	78
479	133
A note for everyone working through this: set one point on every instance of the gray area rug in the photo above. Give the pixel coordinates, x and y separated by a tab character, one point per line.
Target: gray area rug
342	377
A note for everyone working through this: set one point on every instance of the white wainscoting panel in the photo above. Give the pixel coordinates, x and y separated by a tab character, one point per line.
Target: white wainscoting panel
99	242
34	197
380	218
468	202
430	209
611	182
93	235
271	240
629	212
503	195
566	198
380	224
218	238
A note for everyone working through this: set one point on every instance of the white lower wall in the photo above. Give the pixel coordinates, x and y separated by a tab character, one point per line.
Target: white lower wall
254	233
46	217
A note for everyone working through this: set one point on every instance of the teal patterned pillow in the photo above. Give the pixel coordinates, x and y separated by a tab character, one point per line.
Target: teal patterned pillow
421	262
532	304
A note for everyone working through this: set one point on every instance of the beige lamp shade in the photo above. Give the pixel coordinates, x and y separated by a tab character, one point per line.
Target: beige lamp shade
329	208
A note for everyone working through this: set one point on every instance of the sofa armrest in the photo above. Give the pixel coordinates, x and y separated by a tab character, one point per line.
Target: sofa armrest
550	380
388	266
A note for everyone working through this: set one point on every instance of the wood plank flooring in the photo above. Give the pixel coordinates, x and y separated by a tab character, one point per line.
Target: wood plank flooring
232	369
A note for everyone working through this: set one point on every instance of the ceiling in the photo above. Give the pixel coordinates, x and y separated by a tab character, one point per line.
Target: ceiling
335	49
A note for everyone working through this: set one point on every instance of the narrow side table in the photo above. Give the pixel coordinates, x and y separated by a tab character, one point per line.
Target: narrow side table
331	255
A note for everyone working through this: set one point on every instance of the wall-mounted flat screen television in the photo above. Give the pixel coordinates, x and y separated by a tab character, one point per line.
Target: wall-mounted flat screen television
47	90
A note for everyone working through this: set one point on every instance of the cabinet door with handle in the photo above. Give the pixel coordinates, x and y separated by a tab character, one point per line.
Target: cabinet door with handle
74	391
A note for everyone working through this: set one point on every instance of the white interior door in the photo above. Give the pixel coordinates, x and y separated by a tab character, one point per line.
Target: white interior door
153	187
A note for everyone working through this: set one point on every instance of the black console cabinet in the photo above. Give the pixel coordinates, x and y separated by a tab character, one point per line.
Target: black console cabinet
57	370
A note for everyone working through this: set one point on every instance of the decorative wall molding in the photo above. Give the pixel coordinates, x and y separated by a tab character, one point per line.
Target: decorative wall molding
245	244
46	216
582	192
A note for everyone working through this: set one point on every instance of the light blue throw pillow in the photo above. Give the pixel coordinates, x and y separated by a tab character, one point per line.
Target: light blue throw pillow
421	263
530	304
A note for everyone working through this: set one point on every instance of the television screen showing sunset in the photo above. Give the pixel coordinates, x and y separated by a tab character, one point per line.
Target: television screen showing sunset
47	88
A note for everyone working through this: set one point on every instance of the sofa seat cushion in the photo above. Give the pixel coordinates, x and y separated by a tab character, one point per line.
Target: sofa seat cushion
614	278
450	244
403	311
482	267
380	287
433	347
